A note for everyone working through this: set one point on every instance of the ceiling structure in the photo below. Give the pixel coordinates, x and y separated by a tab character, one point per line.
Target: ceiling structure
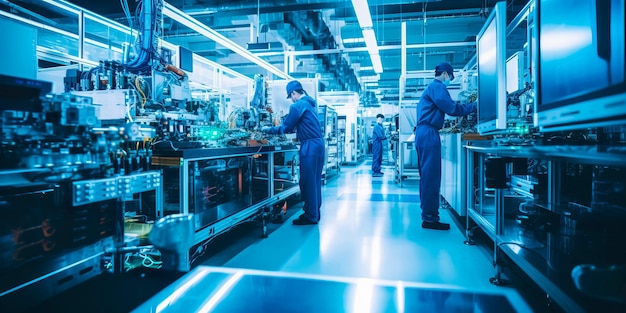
324	39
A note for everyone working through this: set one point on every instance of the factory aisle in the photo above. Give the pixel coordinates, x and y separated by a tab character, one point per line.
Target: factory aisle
371	227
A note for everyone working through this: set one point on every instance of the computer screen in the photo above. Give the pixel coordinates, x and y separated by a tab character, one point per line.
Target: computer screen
22	94
491	47
185	58
581	64
512	73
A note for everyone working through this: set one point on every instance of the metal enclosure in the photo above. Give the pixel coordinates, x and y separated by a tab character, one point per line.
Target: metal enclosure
327	116
454	172
221	188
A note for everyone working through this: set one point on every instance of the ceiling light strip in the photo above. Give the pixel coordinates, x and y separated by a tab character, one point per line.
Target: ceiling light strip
377	63
183	18
362	11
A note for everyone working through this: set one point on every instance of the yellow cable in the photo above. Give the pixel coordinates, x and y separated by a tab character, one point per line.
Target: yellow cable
143	104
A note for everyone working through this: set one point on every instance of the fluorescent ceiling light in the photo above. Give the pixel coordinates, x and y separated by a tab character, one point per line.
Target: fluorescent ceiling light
353	40
64	5
183	18
371	50
362	10
376	62
200	12
373	78
368	35
370	40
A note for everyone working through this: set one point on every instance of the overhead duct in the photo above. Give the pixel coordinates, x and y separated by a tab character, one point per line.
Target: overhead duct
336	73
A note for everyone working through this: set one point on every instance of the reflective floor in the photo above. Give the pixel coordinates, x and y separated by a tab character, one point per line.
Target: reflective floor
371	227
215	289
370	230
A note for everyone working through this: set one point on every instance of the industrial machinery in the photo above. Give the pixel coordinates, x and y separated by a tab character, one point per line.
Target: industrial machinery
328	121
219	170
82	172
350	127
550	194
221	175
65	186
211	190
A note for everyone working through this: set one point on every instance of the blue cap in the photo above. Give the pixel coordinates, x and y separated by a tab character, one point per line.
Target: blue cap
293	86
445	67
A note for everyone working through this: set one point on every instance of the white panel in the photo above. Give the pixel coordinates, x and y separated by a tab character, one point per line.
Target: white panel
19	51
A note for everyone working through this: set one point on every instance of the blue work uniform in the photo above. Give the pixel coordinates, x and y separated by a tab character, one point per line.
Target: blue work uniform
378	135
434	104
302	118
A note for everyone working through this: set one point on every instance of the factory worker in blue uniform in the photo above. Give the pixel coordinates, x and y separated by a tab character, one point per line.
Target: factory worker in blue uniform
302	118
434	104
378	135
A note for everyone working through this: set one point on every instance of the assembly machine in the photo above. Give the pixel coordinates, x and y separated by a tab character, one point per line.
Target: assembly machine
351	136
328	121
548	191
125	163
66	185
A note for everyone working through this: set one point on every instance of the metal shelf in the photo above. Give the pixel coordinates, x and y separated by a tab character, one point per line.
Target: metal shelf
546	244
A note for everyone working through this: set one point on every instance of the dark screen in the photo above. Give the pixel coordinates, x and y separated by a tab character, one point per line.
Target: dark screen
581	53
487	76
186	59
21	94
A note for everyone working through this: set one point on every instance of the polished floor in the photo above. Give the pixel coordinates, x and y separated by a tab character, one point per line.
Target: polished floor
364	254
371	227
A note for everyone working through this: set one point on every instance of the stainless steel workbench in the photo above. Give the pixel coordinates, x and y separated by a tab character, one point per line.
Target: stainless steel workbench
567	226
223	187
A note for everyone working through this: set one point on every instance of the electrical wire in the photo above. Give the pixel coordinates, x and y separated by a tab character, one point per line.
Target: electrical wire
143	104
152	262
126	9
527	249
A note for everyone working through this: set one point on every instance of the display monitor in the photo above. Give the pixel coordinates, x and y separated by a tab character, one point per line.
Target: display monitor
514	70
22	94
491	49
581	64
185	59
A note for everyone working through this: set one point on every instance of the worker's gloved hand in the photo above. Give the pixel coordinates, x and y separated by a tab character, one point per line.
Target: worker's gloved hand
472	97
265	129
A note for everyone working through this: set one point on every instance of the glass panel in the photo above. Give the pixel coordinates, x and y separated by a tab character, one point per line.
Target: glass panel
62	43
104	39
285	171
222	187
49	15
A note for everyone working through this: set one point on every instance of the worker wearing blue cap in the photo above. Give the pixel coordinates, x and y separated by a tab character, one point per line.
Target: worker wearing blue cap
378	135
434	104
302	118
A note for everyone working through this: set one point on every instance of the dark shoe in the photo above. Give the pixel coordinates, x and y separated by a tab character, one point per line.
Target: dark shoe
303	221
436	225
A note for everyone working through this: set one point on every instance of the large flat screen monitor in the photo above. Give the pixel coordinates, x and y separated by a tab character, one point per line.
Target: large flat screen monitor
581	64
491	52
